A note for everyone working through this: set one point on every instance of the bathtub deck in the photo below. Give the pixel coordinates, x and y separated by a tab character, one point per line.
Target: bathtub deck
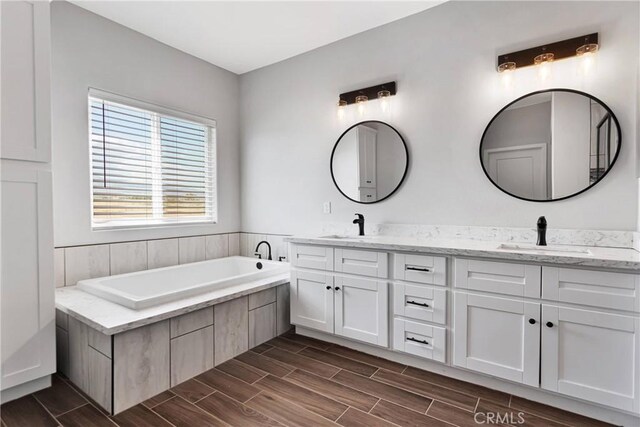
111	318
293	380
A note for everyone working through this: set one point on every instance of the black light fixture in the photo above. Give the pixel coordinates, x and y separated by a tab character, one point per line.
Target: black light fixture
545	54
373	92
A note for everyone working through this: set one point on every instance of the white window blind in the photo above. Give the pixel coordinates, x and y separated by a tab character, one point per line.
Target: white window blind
149	165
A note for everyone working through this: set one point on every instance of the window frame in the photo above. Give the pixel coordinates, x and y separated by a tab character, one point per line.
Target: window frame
147	223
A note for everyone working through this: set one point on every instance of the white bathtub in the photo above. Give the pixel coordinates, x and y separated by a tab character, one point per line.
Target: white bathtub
147	288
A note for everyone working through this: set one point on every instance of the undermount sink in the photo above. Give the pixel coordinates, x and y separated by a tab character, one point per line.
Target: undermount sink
338	236
569	250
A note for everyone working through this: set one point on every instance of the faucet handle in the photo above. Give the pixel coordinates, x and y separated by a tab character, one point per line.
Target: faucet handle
258	255
360	216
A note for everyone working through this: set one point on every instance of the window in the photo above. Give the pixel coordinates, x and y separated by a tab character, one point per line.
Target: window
149	166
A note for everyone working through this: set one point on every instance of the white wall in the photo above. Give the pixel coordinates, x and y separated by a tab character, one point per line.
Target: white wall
90	51
444	62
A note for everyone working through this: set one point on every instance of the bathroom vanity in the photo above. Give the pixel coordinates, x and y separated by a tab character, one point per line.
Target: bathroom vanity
560	319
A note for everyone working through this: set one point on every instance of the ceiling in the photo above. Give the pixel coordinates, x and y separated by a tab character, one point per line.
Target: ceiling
241	36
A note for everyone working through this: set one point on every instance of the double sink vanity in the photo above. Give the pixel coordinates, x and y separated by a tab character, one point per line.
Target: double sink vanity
559	318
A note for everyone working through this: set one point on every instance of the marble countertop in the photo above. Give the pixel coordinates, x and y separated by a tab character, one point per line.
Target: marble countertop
597	256
111	318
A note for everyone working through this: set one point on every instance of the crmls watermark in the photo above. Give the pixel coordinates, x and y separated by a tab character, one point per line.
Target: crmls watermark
499	418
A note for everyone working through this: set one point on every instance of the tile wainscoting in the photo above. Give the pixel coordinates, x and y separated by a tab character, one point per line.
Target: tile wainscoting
74	263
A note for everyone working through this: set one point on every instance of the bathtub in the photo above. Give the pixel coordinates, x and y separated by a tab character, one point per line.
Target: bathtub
144	289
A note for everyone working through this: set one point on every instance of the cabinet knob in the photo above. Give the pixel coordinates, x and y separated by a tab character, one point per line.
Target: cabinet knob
549	324
337	288
532	321
328	288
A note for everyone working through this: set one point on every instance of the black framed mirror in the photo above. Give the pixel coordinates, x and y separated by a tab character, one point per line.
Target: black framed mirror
550	145
369	162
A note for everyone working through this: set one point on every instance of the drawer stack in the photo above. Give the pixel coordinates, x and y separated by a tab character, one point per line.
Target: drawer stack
419	301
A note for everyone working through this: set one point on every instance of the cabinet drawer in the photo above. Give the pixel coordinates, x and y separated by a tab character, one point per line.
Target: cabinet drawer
419	339
308	256
420	268
420	302
619	291
500	277
363	263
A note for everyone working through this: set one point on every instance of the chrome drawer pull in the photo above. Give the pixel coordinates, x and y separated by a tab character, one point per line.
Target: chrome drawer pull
422	304
417	340
424	269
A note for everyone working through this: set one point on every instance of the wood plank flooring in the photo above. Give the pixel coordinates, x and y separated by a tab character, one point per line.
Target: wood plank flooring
295	381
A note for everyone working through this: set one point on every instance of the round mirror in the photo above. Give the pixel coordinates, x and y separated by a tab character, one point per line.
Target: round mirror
369	162
550	145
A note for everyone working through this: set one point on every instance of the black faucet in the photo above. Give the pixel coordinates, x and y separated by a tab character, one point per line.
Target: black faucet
258	254
542	231
360	222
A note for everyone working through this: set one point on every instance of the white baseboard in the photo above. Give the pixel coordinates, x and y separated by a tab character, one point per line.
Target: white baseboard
537	395
18	391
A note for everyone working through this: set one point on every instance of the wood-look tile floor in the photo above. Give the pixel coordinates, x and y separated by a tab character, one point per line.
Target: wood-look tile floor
295	381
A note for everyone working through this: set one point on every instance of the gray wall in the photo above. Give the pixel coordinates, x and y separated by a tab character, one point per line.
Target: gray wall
90	51
444	62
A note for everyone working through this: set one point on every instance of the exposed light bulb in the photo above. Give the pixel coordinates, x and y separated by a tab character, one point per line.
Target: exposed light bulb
586	54
360	101
342	107
384	97
506	70
543	61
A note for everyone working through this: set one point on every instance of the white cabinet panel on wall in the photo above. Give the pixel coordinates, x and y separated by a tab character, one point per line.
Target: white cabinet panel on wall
25	80
592	356
494	335
312	300
499	277
28	315
618	291
361	309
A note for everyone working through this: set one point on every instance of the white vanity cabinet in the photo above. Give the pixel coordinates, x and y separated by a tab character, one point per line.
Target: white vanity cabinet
569	330
345	296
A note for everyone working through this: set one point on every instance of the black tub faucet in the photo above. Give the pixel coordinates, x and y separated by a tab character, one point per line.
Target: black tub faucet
542	231
360	222
258	254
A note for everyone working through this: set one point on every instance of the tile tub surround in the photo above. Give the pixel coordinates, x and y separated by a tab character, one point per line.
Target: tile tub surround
75	263
604	257
275	392
123	369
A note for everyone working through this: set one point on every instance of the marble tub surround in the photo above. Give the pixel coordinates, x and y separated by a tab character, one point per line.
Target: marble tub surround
600	238
597	256
110	318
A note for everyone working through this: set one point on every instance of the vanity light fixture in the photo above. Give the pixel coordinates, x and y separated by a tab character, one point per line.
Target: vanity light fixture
586	53
382	92
543	55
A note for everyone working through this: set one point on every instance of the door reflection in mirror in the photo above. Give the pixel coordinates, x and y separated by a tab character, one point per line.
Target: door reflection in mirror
550	145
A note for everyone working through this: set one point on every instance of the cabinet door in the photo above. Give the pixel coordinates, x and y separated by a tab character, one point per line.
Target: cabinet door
494	336
592	356
27	306
361	309
312	300
25	81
